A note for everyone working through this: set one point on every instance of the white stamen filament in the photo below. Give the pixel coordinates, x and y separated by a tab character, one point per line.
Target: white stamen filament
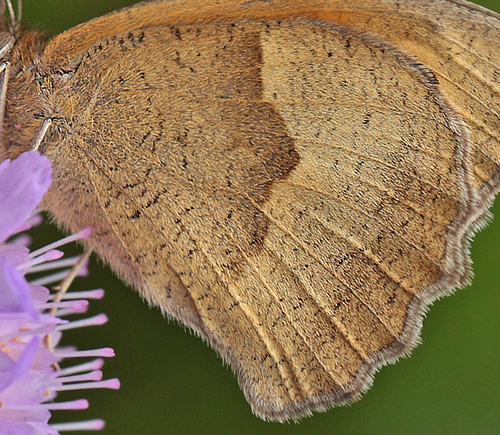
80	368
100	319
112	384
96	424
106	352
83	234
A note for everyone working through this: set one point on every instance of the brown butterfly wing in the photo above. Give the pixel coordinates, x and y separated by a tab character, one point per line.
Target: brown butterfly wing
310	191
299	205
457	40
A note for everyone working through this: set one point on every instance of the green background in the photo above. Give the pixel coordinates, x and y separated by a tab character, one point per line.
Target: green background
173	383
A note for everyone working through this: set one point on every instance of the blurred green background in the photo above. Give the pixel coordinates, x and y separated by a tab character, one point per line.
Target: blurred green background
172	383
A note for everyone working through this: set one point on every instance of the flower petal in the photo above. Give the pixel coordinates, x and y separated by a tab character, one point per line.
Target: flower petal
16	427
15	254
13	371
23	182
15	294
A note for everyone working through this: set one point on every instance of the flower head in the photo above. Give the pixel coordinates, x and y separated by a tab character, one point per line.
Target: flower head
31	318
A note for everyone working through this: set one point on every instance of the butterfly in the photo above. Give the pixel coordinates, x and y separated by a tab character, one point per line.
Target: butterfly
294	181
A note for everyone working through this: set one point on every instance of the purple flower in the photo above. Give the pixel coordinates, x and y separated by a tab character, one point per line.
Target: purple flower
31	318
